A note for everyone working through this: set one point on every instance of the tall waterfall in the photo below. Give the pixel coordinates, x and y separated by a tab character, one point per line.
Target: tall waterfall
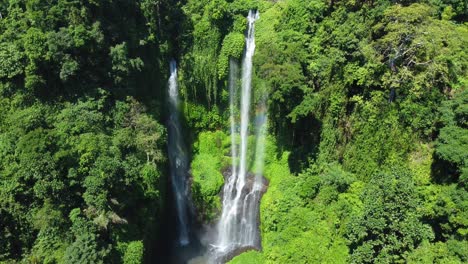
226	229
178	159
238	225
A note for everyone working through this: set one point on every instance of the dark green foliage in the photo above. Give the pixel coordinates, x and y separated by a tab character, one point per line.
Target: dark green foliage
84	250
75	136
452	142
71	161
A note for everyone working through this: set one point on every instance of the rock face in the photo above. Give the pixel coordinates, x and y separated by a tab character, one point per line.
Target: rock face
249	182
229	255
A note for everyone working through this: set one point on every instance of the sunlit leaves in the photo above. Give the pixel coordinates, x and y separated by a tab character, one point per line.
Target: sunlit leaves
389	225
11	61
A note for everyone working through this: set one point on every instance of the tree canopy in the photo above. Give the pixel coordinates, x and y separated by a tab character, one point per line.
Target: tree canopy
366	155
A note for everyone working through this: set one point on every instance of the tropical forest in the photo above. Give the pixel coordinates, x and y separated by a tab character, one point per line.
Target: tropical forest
233	131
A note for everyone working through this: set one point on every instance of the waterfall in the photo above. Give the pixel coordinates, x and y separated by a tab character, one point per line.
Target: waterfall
238	225
177	159
225	228
250	213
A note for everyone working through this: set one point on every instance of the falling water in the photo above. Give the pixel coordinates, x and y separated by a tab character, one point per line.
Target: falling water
245	108
233	72
250	212
225	228
238	226
177	158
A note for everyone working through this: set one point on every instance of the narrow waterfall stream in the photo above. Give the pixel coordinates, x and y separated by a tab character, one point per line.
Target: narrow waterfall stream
237	228
178	159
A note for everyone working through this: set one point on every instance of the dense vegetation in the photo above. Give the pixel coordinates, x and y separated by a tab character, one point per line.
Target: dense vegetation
367	153
81	142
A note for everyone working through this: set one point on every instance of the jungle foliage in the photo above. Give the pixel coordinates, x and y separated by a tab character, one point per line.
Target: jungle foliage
82	145
367	152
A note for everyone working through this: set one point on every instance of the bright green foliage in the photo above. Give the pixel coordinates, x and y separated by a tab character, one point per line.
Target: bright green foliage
354	88
200	118
420	162
378	139
232	47
207	167
445	209
134	253
389	225
250	257
297	222
452	252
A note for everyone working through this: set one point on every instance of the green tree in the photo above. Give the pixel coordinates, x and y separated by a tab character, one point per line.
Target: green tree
390	224
134	253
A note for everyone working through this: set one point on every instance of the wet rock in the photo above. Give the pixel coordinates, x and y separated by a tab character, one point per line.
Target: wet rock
228	256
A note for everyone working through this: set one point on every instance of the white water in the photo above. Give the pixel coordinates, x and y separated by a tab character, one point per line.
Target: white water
225	228
252	199
238	225
177	159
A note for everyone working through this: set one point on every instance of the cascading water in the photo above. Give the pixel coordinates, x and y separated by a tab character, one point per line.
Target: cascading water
233	71
178	159
250	213
238	225
225	229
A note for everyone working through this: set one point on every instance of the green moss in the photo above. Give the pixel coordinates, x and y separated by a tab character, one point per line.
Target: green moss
249	257
206	172
207	175
232	47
